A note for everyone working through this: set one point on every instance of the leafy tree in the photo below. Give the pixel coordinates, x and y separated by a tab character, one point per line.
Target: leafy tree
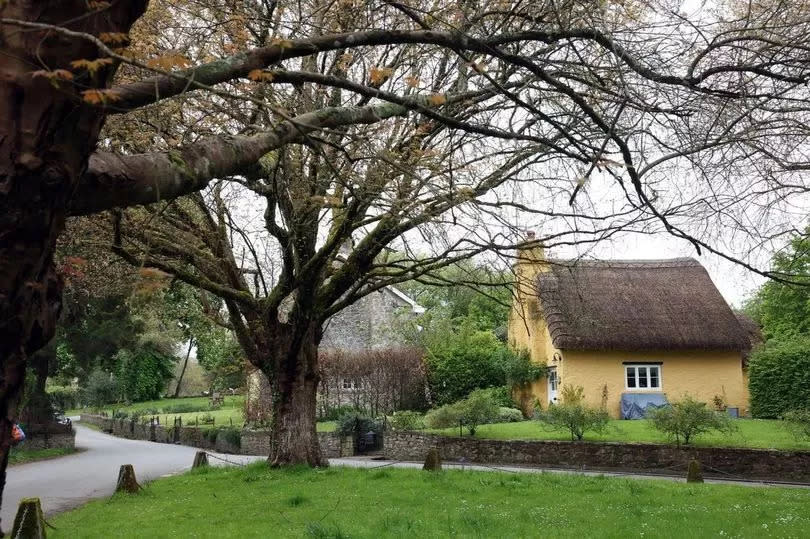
459	362
101	389
783	308
573	415
687	418
478	408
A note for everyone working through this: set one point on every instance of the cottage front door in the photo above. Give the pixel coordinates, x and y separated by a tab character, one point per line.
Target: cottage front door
553	382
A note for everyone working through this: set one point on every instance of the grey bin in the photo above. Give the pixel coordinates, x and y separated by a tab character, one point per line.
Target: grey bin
733	412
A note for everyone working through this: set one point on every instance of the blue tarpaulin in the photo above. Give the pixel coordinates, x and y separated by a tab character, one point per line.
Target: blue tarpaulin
635	405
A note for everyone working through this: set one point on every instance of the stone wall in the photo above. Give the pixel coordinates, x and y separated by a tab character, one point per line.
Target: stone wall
253	442
58	438
748	463
257	442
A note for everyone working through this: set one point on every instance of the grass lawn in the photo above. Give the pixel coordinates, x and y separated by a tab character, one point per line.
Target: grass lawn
230	413
257	501
752	433
19	455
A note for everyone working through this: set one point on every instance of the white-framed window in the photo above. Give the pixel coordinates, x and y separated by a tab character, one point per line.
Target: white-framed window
641	377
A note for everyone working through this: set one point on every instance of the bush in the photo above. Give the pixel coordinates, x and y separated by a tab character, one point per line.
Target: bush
573	415
407	420
333	413
797	423
443	417
101	389
779	377
520	370
501	396
509	415
64	397
477	409
684	420
121	414
356	423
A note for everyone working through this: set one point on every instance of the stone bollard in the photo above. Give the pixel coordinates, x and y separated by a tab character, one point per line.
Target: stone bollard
694	473
29	522
200	460
126	480
433	461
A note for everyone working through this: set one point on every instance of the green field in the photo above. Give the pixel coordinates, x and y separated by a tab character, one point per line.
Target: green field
20	455
257	501
752	433
230	413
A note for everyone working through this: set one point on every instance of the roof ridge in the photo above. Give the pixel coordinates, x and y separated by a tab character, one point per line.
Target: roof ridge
626	263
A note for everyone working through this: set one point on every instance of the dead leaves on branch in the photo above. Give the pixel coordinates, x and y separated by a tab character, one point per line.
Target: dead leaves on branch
98	96
260	75
169	62
91	66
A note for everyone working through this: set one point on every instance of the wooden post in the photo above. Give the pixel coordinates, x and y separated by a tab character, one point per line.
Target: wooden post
126	480
200	460
433	461
695	472
29	522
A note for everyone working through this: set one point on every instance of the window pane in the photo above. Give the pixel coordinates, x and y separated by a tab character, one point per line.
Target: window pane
642	377
631	377
654	382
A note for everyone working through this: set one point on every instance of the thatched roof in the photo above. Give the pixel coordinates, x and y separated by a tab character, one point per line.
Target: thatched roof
752	330
636	305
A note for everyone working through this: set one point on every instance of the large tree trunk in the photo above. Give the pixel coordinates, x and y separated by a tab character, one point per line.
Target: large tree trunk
47	133
294	439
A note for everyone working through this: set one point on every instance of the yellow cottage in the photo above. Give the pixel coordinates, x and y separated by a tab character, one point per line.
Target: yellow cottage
629	332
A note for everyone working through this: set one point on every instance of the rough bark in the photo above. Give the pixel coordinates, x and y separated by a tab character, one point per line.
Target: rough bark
46	136
294	439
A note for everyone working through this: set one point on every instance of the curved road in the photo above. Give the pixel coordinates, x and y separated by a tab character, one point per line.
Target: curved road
66	482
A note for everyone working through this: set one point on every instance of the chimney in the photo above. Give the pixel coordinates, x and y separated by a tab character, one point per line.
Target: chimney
531	252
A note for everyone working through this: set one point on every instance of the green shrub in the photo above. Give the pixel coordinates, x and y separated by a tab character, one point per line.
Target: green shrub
443	417
64	397
797	423
501	396
407	420
573	415
477	409
520	370
682	421
356	423
333	413
509	415
779	377
120	414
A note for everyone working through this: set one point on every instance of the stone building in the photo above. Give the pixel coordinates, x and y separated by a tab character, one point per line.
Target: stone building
366	326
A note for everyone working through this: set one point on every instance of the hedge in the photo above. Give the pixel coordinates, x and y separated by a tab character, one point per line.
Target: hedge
779	377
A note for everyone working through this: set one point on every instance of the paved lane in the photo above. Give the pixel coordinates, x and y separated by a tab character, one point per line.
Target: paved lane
66	482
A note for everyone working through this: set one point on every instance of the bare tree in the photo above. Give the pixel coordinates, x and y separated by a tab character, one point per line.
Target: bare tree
506	114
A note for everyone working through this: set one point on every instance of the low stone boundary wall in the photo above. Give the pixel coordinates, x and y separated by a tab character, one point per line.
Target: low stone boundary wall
747	463
253	441
60	438
257	442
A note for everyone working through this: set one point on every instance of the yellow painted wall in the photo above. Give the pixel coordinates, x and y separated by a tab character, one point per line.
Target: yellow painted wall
527	329
700	374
